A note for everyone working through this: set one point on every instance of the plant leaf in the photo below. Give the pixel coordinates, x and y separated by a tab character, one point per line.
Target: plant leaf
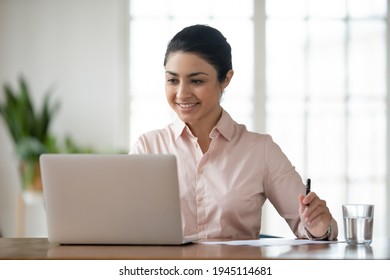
28	116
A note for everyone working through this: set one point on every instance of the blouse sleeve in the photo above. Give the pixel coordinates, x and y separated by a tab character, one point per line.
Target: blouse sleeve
283	185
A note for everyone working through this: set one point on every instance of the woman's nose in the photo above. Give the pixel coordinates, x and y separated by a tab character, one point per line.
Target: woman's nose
182	90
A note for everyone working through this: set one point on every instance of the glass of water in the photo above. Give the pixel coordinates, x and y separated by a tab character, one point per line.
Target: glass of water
358	223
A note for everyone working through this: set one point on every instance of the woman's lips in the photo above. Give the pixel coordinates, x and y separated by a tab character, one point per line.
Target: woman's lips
187	105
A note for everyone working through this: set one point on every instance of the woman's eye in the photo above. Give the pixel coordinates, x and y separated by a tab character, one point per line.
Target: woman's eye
197	82
171	81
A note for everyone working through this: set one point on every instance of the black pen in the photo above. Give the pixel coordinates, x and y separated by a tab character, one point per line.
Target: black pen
308	185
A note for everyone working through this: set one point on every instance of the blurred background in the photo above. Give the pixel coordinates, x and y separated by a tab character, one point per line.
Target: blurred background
312	73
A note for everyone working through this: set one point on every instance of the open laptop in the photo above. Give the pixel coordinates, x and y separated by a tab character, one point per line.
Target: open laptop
112	199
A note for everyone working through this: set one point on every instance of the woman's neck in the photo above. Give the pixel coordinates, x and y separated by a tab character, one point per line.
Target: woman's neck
202	131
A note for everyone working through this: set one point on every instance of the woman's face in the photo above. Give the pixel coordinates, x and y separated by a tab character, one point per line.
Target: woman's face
193	90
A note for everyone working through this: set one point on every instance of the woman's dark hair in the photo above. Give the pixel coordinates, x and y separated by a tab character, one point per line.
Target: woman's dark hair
208	43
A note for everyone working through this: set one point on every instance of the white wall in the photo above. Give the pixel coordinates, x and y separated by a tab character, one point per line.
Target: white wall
80	48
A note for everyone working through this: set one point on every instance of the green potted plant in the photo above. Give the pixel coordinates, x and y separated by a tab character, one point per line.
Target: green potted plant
29	129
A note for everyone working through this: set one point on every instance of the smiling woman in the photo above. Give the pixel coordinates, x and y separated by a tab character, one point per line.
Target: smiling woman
197	72
194	91
226	172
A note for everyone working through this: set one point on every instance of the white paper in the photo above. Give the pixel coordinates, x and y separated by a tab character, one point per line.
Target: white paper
267	242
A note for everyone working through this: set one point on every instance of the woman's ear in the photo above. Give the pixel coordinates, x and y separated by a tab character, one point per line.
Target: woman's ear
228	78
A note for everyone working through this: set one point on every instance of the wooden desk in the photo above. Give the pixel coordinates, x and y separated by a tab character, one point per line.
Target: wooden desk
41	249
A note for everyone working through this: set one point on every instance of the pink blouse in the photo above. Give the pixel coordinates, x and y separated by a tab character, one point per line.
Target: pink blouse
223	191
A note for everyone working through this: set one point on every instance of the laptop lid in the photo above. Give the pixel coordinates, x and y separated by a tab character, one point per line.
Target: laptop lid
111	199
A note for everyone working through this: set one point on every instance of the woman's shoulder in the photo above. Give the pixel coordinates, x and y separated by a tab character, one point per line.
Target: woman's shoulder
232	128
252	135
256	141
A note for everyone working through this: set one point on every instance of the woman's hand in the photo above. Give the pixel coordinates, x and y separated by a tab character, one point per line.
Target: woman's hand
314	214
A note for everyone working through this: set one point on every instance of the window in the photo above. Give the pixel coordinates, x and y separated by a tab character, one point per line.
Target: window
325	89
326	96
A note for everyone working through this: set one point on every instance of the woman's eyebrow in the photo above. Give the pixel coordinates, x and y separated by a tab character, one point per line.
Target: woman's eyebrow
197	73
171	73
189	75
